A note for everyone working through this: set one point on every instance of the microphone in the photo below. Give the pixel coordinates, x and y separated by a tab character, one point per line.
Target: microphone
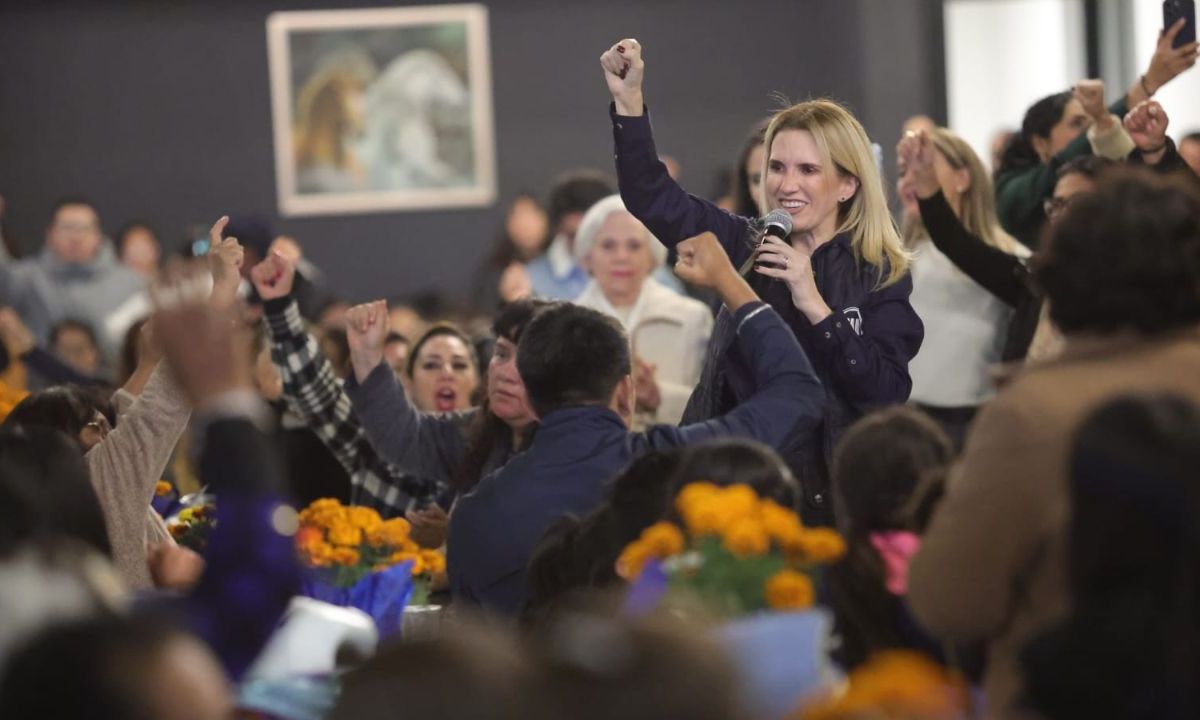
778	224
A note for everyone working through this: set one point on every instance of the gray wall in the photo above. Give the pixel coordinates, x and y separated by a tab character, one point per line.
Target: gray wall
161	110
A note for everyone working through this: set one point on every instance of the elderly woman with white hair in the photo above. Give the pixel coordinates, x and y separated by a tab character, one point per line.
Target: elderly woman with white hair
669	332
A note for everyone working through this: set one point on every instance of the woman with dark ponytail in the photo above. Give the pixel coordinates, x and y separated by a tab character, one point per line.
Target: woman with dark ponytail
1130	648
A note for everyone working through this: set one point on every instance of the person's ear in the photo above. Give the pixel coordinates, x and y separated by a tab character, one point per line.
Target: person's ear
1041	146
962	180
624	399
847	187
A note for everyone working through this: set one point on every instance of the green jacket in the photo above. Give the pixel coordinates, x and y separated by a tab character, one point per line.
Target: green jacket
1020	192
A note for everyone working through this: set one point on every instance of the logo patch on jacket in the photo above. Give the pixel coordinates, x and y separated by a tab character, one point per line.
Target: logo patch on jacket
854	315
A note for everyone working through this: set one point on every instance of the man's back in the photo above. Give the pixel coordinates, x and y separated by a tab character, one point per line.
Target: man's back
566	471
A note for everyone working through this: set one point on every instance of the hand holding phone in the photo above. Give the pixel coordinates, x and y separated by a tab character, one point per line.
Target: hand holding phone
1173	12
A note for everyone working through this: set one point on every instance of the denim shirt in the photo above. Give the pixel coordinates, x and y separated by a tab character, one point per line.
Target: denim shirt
860	352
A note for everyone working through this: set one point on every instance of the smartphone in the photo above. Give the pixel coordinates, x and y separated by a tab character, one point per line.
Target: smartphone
1173	10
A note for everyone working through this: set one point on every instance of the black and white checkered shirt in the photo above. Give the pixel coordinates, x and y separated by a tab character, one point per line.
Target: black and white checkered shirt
314	391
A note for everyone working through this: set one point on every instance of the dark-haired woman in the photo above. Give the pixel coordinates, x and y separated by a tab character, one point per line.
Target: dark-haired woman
1066	125
1121	273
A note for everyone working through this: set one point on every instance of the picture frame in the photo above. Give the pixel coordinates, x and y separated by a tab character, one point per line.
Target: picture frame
379	110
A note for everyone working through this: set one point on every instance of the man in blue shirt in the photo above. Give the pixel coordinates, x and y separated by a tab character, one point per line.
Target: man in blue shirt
575	364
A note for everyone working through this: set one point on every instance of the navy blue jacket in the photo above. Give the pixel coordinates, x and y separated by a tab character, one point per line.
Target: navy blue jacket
860	353
577	451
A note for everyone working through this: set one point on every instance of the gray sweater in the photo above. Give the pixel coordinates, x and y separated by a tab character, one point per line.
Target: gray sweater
127	464
103	293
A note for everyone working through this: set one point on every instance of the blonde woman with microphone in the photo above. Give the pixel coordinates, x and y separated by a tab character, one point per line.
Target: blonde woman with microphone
840	280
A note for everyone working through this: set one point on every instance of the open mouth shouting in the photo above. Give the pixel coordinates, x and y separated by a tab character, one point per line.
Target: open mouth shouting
445	399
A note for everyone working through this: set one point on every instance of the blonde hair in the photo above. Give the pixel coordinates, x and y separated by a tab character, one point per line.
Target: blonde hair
977	211
843	144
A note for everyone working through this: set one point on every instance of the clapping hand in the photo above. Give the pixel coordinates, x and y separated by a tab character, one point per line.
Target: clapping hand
646	385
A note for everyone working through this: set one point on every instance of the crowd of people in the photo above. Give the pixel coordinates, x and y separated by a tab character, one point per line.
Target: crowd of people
993	397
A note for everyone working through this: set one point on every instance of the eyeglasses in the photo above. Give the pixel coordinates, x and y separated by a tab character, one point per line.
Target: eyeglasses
1055	206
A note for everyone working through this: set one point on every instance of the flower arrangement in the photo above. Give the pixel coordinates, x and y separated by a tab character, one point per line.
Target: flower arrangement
346	544
894	684
191	526
737	552
9	398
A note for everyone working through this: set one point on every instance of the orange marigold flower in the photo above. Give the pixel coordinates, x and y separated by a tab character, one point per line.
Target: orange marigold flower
394	532
780	522
705	517
739	501
790	590
663	539
693	493
162	487
364	518
633	560
434	561
345	534
822	545
746	537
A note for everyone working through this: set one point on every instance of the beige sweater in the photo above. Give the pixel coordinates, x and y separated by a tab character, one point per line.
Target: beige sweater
993	563
128	463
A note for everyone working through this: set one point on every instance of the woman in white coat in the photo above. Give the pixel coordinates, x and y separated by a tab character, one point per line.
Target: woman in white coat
669	332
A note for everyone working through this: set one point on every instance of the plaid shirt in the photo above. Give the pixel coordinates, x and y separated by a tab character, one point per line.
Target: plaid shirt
314	391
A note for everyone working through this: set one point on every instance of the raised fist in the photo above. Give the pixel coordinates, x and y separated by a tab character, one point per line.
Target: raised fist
1147	123
274	276
623	71
702	260
1090	94
366	331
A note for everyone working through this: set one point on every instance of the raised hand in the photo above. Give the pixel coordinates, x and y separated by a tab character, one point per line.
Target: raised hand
225	258
1090	94
366	331
201	340
1169	62
1147	125
702	261
915	155
624	70
274	276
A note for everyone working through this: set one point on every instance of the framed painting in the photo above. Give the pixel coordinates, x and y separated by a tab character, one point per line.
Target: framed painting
381	109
